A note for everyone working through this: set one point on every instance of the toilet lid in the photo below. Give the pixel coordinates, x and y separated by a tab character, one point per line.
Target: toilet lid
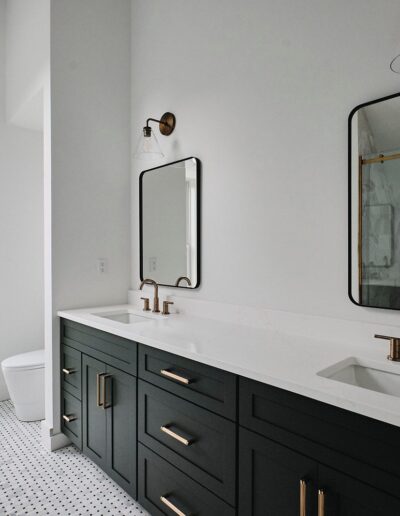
31	360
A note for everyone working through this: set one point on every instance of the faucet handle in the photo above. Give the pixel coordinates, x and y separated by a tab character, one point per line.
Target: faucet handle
165	305
394	353
146	303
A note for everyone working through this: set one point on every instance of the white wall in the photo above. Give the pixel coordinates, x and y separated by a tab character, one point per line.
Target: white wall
27	61
262	90
89	200
21	231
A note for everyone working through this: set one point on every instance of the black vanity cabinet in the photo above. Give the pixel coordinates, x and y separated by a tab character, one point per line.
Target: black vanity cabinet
187	436
102	418
109	420
273	479
189	439
297	454
345	496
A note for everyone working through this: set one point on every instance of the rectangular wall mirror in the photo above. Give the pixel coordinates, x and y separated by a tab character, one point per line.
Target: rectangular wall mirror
169	206
374	202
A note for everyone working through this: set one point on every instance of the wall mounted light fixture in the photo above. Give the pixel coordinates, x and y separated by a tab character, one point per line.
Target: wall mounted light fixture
148	146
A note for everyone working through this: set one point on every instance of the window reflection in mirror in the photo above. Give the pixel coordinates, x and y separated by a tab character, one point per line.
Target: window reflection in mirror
375	204
169	224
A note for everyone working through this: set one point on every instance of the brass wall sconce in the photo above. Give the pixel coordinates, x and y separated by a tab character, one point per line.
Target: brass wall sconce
148	146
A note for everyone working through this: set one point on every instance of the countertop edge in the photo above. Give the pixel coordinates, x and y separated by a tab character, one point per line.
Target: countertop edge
357	407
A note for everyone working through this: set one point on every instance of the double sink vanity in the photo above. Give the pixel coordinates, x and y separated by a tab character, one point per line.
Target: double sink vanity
193	416
197	416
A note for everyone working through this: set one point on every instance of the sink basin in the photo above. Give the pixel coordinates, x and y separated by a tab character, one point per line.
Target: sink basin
371	376
123	316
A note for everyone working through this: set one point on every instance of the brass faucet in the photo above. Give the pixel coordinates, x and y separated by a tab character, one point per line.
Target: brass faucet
156	300
183	278
394	353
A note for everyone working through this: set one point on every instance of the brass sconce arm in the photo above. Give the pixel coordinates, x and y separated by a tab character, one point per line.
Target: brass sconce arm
153	120
166	124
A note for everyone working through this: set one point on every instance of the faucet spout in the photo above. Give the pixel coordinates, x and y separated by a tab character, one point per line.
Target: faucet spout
156	300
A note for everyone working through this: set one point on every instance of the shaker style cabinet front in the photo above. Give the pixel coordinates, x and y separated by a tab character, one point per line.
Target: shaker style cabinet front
341	495
94	415
100	415
300	456
273	479
109	421
276	480
189	439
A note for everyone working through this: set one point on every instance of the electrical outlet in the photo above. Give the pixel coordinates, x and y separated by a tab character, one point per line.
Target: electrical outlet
101	265
152	264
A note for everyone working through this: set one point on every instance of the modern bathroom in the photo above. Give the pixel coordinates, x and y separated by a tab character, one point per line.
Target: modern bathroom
200	257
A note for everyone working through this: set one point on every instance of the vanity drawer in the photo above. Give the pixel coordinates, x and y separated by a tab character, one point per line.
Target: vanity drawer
198	442
71	418
159	480
116	351
204	385
71	369
333	435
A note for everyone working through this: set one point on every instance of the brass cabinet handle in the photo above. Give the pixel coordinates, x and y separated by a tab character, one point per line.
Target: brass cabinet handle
98	389
177	437
176	377
171	506
303	497
105	378
68	371
68	419
321	502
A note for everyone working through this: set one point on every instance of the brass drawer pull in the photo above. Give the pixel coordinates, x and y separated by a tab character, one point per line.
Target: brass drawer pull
100	402
321	502
176	377
303	497
105	378
177	437
68	371
68	419
171	506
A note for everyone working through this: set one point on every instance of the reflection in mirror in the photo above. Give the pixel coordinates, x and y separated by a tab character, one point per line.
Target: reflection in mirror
169	224
375	204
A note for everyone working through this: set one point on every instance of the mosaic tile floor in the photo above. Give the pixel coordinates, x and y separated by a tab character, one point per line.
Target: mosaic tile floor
65	482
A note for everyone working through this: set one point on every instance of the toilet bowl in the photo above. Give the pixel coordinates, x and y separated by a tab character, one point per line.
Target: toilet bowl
24	376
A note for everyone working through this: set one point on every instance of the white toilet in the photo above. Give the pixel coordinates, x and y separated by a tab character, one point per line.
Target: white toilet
24	376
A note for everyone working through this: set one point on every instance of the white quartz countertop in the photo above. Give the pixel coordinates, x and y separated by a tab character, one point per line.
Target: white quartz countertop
275	358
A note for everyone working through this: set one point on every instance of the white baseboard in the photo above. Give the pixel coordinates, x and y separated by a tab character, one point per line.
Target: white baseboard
52	441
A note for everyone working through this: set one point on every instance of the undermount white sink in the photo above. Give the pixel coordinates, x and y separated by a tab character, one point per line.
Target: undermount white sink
123	316
367	375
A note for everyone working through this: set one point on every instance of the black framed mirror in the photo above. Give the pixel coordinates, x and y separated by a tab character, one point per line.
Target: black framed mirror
374	203
169	206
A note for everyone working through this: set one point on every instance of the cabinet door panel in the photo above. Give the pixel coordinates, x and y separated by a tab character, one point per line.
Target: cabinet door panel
121	428
94	417
269	478
345	496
